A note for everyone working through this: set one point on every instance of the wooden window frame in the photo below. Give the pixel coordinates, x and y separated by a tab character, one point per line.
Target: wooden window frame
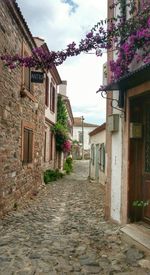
45	142
102	158
52	97
51	135
93	154
30	127
47	91
24	89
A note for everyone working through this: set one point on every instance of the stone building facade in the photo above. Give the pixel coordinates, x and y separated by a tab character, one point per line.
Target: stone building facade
52	84
22	112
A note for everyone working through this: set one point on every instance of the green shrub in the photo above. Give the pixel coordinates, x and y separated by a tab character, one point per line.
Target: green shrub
52	175
68	167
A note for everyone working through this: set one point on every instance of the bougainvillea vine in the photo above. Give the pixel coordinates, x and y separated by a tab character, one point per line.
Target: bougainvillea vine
125	36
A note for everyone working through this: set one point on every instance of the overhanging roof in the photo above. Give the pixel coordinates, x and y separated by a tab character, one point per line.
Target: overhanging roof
130	80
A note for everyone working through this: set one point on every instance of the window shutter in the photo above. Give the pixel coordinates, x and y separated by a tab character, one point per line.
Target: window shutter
30	147
102	157
51	146
27	78
92	154
51	95
45	148
53	99
47	91
25	149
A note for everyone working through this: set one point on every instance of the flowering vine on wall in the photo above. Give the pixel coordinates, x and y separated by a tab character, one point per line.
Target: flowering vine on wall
60	129
126	36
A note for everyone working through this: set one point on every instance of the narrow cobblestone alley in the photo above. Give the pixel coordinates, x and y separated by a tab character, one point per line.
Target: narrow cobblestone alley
63	231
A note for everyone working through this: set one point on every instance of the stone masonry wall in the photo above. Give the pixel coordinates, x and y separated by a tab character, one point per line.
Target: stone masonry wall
17	179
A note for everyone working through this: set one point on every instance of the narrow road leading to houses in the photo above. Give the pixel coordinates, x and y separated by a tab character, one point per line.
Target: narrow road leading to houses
63	231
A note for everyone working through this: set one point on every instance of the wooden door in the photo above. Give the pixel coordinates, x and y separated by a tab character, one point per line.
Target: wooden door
139	160
146	163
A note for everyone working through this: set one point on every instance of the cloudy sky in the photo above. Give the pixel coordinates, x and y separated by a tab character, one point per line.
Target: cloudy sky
61	22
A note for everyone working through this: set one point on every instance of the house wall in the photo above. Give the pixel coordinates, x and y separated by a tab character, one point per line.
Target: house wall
98	138
116	168
49	154
116	157
48	113
108	133
86	130
16	178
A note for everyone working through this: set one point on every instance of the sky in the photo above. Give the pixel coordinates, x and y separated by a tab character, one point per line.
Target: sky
60	22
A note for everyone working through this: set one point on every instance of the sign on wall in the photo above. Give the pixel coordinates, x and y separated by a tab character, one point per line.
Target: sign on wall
37	77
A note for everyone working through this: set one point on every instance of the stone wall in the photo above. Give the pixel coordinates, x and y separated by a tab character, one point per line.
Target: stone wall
17	179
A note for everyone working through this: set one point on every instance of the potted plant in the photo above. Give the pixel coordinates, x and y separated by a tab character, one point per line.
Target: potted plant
139	206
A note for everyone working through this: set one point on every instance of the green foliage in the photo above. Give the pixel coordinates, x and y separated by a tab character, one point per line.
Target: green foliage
68	165
52	175
62	116
60	129
75	142
61	136
140	203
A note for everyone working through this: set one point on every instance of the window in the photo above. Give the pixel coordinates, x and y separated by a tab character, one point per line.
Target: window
147	141
102	157
45	147
28	85
52	98
27	145
51	146
92	154
80	137
47	91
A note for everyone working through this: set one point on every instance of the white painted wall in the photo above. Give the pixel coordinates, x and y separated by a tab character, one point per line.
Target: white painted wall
87	130
48	113
116	166
98	138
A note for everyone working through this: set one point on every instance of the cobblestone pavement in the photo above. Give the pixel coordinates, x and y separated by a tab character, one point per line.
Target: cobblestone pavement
62	231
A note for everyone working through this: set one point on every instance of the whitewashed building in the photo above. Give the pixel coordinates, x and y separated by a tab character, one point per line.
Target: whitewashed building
97	165
81	132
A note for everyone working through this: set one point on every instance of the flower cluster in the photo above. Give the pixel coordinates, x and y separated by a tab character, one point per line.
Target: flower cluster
67	146
135	48
127	37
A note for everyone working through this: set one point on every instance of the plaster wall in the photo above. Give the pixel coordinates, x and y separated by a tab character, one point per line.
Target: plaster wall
87	130
116	172
98	138
48	113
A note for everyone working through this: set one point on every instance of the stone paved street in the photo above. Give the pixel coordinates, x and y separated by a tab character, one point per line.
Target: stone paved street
62	231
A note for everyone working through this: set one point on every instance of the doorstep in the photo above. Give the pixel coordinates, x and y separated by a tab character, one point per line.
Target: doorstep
138	232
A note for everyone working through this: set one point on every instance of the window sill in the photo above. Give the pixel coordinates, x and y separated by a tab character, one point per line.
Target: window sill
26	93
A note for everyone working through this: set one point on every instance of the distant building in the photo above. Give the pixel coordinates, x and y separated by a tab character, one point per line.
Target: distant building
81	132
97	165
